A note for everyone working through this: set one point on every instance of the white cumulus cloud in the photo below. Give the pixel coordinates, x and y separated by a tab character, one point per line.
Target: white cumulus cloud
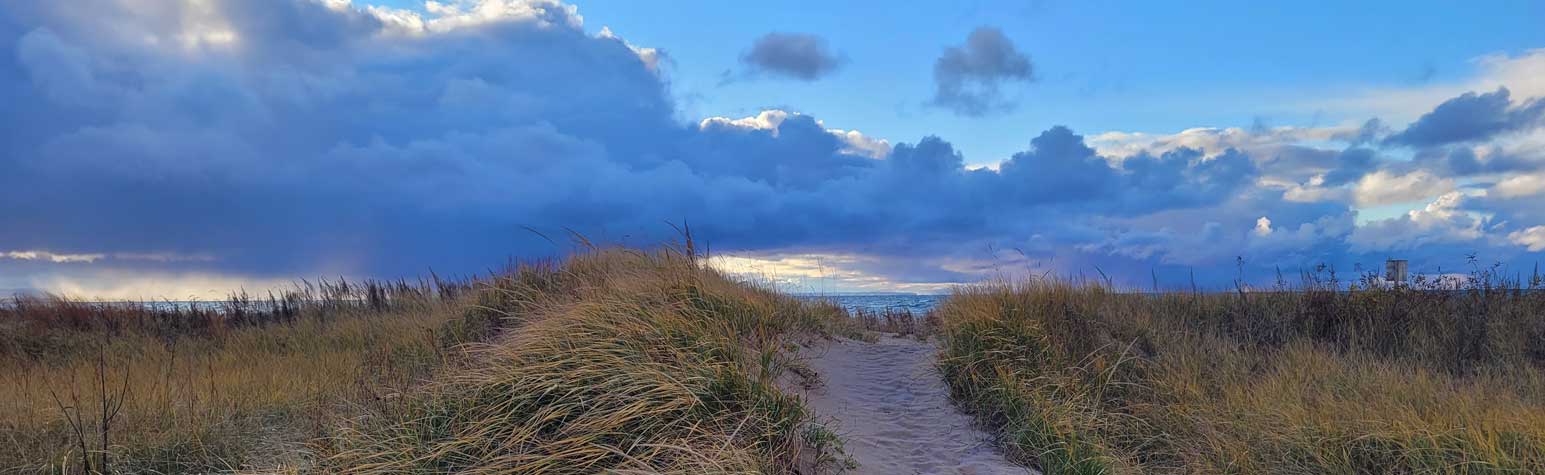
1532	238
1384	187
1521	185
1263	226
854	142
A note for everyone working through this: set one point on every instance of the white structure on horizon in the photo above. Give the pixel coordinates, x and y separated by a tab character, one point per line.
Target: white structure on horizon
1395	270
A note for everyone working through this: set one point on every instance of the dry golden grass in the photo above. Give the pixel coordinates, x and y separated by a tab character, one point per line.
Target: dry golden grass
223	397
643	363
1079	379
612	361
897	322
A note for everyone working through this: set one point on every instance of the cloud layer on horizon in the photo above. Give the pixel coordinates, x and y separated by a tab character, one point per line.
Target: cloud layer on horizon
303	137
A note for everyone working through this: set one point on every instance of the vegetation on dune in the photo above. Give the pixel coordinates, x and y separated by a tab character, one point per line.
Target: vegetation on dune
613	360
179	388
621	361
1431	377
637	362
894	321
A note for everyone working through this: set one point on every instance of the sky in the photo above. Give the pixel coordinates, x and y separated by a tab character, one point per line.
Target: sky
184	148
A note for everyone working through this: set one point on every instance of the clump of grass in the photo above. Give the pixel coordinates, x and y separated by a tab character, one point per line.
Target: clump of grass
828	453
1424	377
642	363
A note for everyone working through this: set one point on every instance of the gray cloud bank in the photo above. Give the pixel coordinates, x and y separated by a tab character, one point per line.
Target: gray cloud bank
295	137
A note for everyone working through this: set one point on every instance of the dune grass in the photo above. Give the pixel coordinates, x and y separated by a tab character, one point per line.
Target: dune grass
634	363
161	388
1432	377
896	322
613	361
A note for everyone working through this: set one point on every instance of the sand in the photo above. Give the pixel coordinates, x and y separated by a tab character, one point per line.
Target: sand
893	410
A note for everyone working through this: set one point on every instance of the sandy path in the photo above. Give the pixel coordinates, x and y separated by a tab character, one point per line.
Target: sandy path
893	410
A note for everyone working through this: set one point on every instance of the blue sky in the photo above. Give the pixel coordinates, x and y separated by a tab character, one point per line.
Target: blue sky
1156	67
187	148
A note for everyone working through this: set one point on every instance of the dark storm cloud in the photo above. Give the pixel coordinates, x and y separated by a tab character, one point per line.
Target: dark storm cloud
969	78
343	145
793	55
1463	161
1471	117
1351	165
1369	133
320	140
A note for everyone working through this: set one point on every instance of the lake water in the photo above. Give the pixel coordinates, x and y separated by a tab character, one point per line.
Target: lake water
917	304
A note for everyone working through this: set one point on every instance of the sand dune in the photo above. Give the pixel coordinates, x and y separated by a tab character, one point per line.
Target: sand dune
894	411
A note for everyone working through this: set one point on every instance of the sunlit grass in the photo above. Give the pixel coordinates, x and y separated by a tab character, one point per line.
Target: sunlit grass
653	365
1419	379
611	361
135	388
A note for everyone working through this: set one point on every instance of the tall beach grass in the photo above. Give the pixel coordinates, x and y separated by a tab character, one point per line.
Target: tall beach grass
1433	376
610	361
120	387
634	363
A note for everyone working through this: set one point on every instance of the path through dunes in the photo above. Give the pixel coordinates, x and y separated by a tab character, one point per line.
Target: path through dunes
894	412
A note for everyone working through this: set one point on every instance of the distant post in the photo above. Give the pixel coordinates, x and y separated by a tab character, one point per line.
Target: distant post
1395	270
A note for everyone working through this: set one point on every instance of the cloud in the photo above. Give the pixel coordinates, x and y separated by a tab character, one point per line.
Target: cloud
840	272
799	56
148	146
454	15
1383	187
1521	185
1313	190
1532	238
1443	222
35	255
1214	140
1263	226
652	57
1471	117
241	142
969	78
1522	74
856	143
131	285
1058	167
51	257
771	120
1475	194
